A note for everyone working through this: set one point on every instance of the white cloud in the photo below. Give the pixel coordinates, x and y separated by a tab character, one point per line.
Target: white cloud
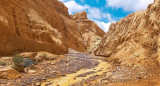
129	5
108	16
104	26
75	7
62	0
94	13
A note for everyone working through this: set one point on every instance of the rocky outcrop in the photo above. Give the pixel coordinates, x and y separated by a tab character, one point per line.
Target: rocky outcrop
37	25
9	74
134	40
89	30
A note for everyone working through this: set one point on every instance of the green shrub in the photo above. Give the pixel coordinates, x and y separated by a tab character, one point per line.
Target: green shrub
18	60
3	63
18	63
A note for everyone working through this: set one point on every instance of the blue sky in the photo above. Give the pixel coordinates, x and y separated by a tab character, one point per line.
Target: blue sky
104	12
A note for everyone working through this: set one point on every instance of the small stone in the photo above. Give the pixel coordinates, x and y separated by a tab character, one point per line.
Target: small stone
52	71
145	77
106	82
31	71
52	63
38	84
10	83
43	78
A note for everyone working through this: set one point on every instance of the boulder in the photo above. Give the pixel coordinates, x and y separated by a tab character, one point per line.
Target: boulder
9	73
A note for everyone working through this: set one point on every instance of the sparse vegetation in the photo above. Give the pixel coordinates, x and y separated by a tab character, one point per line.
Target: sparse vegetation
28	62
18	60
3	63
18	63
44	56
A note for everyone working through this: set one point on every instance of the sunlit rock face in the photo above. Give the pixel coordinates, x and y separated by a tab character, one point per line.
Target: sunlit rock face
89	30
134	39
37	25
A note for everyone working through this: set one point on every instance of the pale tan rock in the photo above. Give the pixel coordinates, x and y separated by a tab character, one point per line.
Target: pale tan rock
10	84
133	40
30	55
32	71
71	51
44	56
38	84
89	30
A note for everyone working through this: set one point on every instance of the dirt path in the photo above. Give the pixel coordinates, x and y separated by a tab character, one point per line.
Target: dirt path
80	75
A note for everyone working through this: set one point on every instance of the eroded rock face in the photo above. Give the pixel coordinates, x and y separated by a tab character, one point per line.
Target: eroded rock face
134	40
37	25
89	30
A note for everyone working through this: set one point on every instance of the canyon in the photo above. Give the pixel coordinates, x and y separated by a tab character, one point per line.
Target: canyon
41	44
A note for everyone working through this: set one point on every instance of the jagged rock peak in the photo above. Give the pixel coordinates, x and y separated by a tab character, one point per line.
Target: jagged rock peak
81	15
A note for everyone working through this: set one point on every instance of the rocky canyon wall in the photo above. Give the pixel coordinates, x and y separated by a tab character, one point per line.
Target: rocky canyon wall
44	25
37	25
90	31
134	40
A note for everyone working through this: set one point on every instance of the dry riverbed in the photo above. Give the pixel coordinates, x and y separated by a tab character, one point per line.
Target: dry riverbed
82	70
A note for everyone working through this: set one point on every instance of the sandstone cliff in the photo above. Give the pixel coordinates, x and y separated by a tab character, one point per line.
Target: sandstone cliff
135	39
91	33
37	25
